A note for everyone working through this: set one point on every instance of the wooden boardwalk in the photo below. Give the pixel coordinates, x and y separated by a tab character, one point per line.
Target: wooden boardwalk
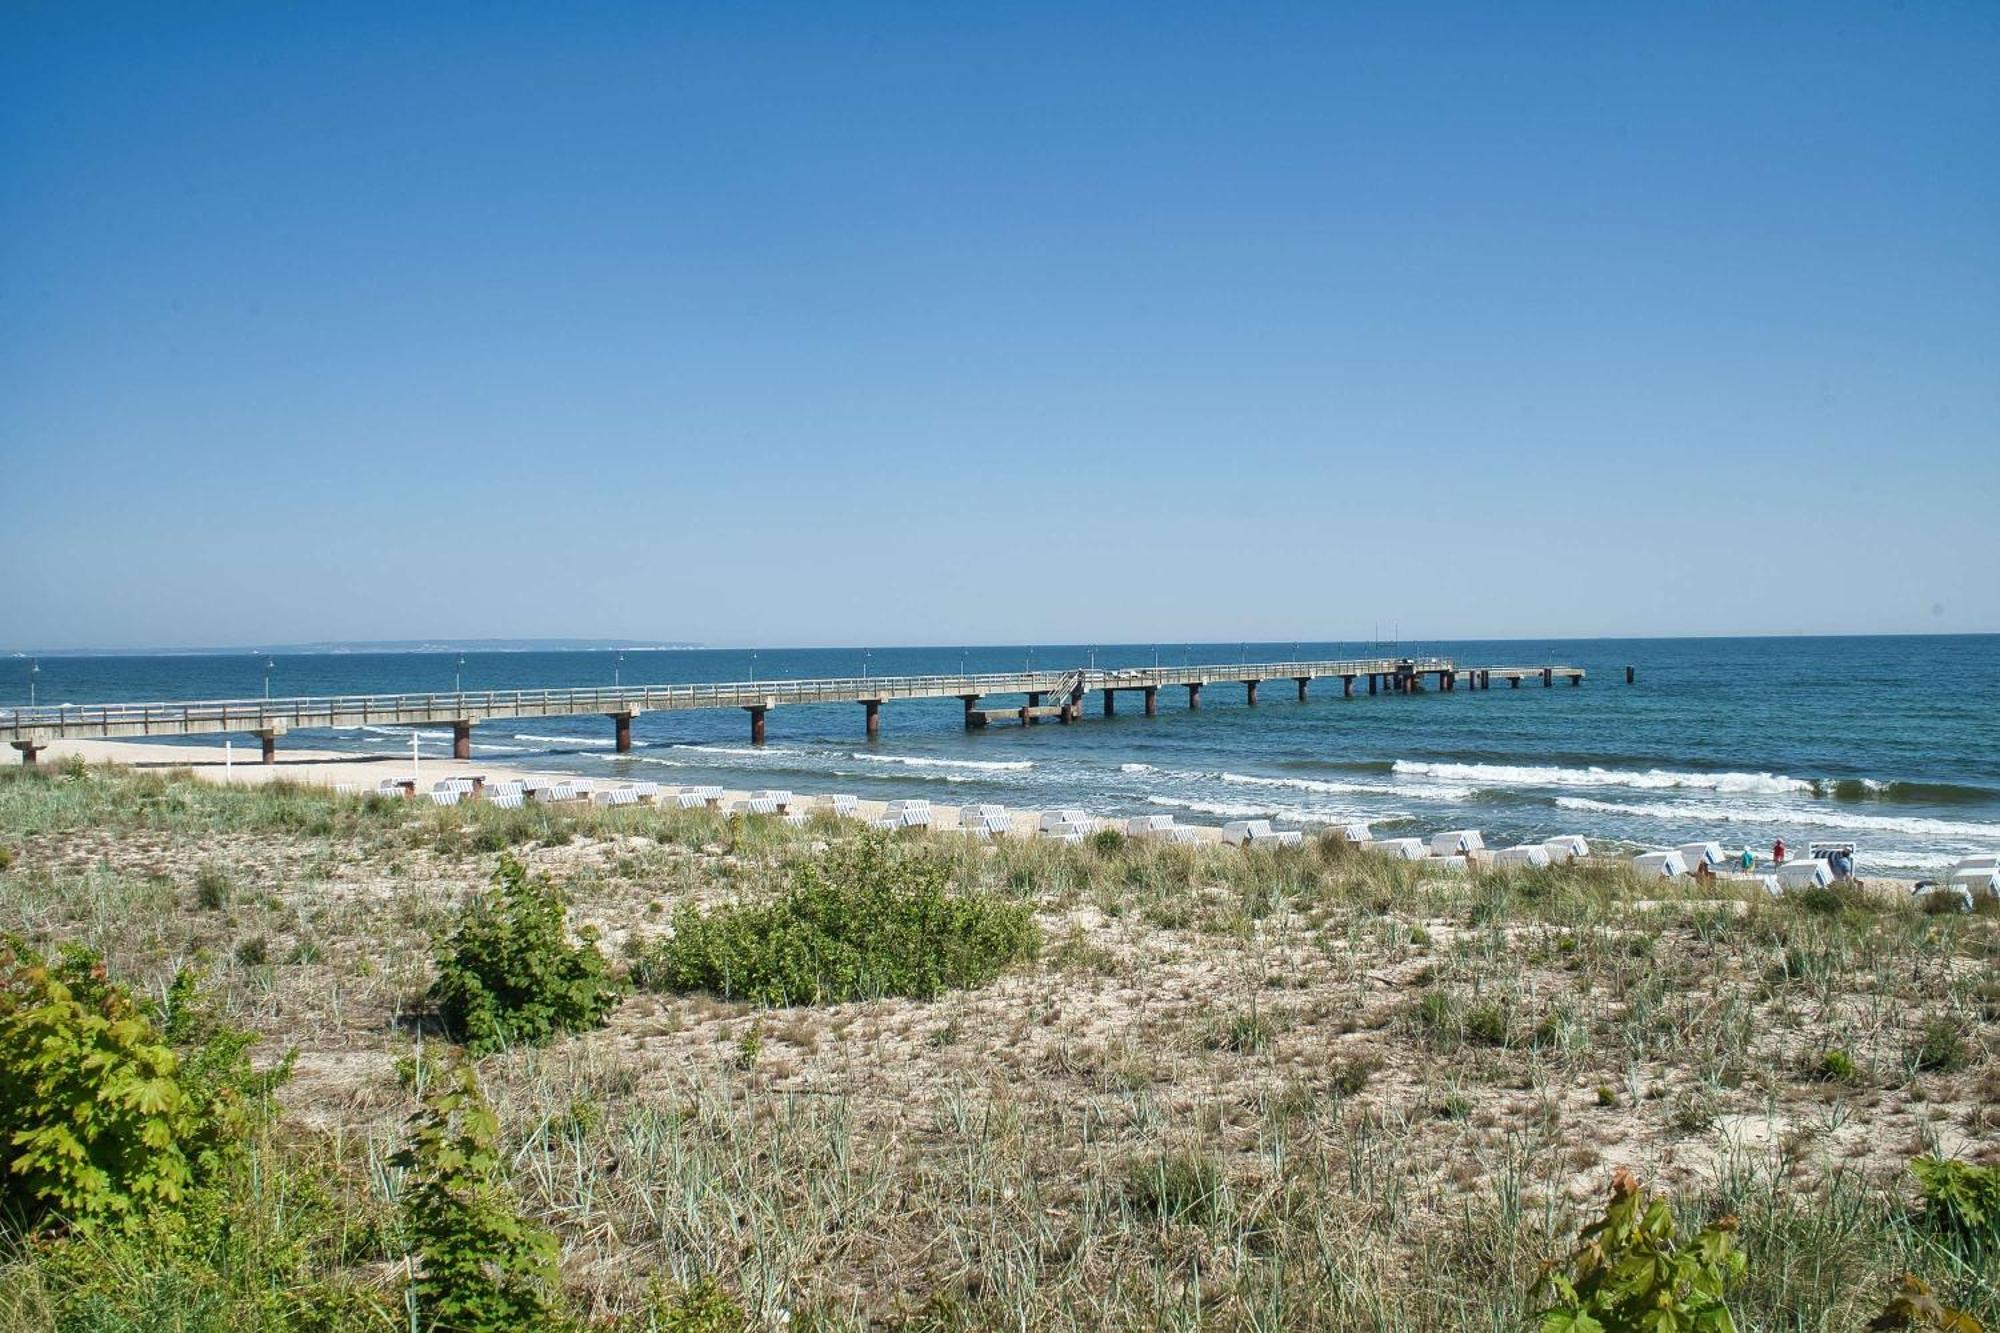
1046	694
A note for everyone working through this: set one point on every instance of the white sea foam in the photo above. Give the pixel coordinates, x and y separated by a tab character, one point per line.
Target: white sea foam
919	775
1137	768
593	742
1784	815
981	765
1423	792
1658	779
1223	808
753	753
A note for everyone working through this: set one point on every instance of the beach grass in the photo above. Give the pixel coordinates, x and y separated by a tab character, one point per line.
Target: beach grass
1270	1088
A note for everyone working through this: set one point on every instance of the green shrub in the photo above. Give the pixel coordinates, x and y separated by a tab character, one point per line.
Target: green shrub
479	1265
508	975
1837	1066
858	922
703	1307
1487	1023
6	856
115	1108
1627	1274
1940	1048
212	889
1960	1198
1107	841
1179	1187
1247	1033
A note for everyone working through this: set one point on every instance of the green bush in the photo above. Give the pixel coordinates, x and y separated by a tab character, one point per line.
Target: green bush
1629	1276
1960	1198
480	1267
508	974
858	922
115	1108
1179	1187
212	889
1940	1048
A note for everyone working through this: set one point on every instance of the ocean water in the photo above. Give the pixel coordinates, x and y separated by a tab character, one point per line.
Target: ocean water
1892	742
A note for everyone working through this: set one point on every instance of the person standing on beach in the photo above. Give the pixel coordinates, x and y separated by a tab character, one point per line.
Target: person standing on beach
1778	852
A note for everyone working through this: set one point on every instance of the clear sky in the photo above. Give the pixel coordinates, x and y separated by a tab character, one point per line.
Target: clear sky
939	322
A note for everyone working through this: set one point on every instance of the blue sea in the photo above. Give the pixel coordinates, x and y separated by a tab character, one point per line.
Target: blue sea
1893	742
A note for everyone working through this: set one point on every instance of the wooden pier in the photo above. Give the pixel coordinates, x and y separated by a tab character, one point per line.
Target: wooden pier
1046	695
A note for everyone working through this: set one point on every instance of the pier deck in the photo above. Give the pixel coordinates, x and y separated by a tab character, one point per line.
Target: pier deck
31	728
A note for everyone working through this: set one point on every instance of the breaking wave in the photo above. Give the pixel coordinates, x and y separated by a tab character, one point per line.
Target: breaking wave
1315	785
980	765
1783	815
589	742
1658	779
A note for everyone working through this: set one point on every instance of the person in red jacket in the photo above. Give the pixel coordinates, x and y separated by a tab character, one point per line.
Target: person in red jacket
1778	852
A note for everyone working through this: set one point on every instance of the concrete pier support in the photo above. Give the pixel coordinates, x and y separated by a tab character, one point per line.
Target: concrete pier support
622	723
1194	695
1304	683
461	740
269	742
872	710
971	701
1374	680
756	725
28	750
1629	675
1034	701
1111	703
1152	701
1576	678
1548	678
1347	687
1250	692
1514	682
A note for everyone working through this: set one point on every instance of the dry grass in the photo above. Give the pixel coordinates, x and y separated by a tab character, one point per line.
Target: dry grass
1298	1089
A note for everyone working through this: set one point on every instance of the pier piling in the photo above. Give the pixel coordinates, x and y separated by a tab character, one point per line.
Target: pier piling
1304	682
756	724
28	751
872	711
461	740
1152	701
1194	694
1250	692
1111	703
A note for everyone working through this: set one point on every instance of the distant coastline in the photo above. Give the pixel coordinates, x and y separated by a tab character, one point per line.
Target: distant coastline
339	648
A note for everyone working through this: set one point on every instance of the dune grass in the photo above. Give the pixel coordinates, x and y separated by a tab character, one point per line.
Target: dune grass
1289	1088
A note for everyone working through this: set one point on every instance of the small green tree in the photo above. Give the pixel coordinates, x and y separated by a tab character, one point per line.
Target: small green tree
479	1266
508	974
1628	1276
111	1109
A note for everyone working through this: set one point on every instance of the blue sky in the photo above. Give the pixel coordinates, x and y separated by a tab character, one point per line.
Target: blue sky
929	323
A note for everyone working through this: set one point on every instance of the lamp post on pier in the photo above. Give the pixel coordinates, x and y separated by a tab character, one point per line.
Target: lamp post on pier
753	666
865	655
618	671
34	670
458	676
269	663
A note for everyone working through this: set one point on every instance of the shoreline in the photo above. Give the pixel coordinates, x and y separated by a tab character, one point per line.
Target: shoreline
218	763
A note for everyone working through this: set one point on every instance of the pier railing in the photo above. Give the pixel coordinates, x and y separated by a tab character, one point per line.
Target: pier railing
176	717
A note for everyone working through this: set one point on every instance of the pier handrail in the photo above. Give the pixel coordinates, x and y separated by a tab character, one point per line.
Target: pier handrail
341	710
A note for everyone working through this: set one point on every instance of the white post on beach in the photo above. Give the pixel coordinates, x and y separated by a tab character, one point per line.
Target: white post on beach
416	762
228	758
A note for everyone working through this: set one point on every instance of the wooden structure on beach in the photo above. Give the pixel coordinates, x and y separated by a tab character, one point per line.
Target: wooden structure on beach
1058	695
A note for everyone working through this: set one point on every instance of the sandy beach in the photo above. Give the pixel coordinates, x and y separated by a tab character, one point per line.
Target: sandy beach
217	763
